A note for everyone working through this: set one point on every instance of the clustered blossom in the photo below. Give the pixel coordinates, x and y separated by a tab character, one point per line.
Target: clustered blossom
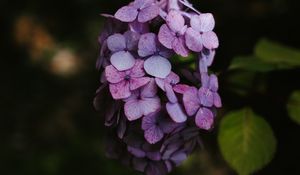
155	119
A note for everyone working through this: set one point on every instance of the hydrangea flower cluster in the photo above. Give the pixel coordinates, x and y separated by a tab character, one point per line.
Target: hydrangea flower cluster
155	119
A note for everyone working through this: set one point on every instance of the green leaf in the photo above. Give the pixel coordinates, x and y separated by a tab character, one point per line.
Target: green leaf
273	52
293	107
251	63
246	141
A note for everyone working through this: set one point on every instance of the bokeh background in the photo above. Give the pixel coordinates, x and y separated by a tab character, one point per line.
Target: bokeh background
48	78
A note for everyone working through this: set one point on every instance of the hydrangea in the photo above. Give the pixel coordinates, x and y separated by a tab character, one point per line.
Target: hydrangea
153	118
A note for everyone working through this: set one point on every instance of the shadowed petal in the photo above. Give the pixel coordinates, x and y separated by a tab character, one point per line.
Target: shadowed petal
122	60
148	13
136	152
120	90
133	110
179	47
136	83
138	69
191	101
149	121
217	100
139	164
203	23
149	90
176	113
132	40
116	42
165	36
157	66
175	21
113	75
154	156
138	27
206	97
150	105
193	40
147	45
178	157
210	40
153	134
204	119
126	14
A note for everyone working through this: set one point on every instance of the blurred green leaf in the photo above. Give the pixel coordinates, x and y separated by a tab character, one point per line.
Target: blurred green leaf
250	63
246	141
293	107
273	52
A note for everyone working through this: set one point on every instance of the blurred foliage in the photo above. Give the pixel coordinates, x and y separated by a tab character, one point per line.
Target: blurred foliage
246	141
293	106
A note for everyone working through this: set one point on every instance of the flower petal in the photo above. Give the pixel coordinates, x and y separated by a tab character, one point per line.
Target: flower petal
132	40
122	60
120	90
112	75
210	40
156	156
149	90
136	83
181	88
191	101
138	27
116	42
213	83
157	66
126	14
193	40
133	110
153	134
170	93
206	97
138	69
148	13
175	21
150	105
204	119
179	47
147	44
178	157
149	120
136	152
165	36
139	164
217	100
203	23
176	113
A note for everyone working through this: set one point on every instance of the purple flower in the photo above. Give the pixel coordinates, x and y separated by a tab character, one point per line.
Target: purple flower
143	10
208	93
142	102
192	102
120	46
206	58
171	79
123	82
156	63
156	125
171	35
200	33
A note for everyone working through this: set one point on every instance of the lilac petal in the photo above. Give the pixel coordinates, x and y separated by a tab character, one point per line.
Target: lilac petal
150	105
175	21
132	40
116	42
149	121
138	69
202	66
203	23
120	90
208	56
172	78
178	157
165	36
148	13
206	97
217	100
193	40
126	14
112	75
170	93
204	119
191	101
154	156
122	60
139	4
149	90
136	83
136	152
160	83
138	27
133	110
176	113
157	66
139	164
205	80
153	134
210	40
179	47
147	45
181	88
213	83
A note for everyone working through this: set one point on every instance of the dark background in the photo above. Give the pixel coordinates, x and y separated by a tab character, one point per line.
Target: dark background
48	79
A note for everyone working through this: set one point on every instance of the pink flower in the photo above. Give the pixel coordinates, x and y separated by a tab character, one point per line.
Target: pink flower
123	82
